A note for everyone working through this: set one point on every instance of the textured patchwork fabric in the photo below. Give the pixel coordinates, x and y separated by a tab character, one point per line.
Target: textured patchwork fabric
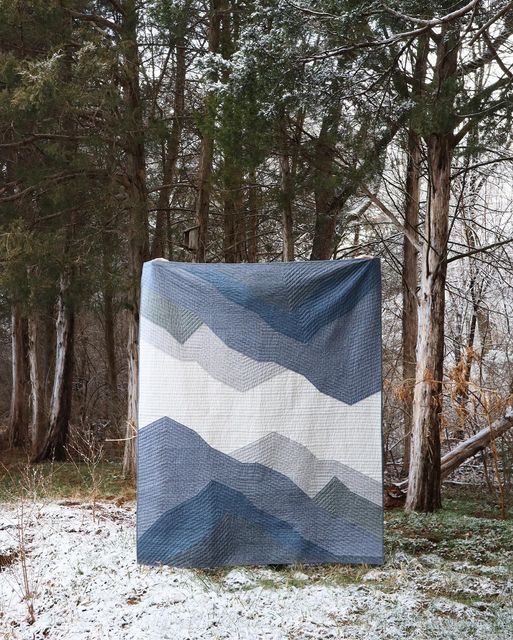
259	435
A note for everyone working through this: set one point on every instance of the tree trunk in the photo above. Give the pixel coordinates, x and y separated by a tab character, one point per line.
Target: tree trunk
286	193
476	443
410	252
424	487
54	443
207	141
203	201
37	399
138	221
252	226
109	331
17	428
468	448
323	245
109	334
232	213
409	286
160	240
327	206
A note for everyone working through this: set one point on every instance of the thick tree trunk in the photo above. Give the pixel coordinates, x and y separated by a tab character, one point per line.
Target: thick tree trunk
409	286
17	428
160	240
324	234
54	443
38	422
287	197
138	223
327	205
424	488
410	252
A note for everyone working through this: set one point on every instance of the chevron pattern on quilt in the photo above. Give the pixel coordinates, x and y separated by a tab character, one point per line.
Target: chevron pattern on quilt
259	437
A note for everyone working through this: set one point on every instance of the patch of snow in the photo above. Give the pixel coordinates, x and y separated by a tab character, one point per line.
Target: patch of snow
87	585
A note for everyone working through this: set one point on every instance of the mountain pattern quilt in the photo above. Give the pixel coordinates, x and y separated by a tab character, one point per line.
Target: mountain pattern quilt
259	438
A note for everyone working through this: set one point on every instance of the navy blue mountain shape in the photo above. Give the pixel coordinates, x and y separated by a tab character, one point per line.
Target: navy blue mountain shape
295	298
176	464
220	526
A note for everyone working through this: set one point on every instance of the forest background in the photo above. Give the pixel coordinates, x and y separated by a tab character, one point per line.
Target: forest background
251	131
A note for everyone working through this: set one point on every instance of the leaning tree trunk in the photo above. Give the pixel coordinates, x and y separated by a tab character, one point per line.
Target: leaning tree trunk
54	443
409	286
471	446
17	429
424	486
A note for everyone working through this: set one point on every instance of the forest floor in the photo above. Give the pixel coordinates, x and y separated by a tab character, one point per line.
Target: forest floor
67	559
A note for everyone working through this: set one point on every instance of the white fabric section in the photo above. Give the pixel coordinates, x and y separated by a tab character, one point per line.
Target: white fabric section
288	404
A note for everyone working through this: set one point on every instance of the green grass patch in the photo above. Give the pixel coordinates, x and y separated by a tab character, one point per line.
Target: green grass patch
468	528
58	480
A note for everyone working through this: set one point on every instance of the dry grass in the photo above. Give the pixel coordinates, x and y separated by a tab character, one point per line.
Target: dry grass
77	479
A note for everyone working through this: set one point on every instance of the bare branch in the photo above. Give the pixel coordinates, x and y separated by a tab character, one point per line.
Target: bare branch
459	256
433	22
392	217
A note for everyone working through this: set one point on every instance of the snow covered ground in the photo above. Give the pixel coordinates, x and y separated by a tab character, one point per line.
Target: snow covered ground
84	583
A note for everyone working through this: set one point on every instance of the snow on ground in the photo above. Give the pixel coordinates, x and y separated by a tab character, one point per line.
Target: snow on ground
85	583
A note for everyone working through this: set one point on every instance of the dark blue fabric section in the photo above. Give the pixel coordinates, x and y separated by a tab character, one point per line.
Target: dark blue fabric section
294	298
337	344
175	464
220	526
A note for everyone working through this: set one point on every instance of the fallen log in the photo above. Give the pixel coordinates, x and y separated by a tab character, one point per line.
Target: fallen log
476	443
468	448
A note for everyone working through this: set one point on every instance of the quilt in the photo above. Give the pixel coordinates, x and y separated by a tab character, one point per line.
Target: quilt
259	435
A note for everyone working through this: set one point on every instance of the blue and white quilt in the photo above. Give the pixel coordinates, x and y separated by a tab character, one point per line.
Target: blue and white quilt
259	436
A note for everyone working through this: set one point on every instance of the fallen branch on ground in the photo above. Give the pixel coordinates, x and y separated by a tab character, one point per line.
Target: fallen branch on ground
471	446
476	443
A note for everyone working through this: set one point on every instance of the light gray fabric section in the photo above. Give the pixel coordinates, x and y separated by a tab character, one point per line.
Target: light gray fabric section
205	348
299	464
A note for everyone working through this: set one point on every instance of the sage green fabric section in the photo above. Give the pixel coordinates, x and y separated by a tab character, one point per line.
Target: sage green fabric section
179	322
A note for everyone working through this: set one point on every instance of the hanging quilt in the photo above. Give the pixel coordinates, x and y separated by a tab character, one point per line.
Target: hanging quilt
259	437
